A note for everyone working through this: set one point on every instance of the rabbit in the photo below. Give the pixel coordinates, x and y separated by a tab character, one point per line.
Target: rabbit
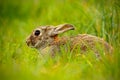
45	38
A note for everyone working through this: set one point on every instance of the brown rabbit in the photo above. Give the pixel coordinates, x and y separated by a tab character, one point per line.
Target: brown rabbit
46	37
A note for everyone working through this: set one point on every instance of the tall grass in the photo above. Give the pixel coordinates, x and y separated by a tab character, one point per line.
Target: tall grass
19	18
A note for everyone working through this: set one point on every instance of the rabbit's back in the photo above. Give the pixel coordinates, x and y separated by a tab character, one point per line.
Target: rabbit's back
86	41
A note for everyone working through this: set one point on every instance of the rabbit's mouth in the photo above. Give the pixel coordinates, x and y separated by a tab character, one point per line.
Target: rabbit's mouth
40	44
30	44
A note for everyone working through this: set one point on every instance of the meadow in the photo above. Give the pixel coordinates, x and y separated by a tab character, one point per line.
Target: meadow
96	17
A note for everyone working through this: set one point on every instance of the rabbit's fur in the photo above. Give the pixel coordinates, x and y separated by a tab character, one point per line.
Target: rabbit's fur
45	38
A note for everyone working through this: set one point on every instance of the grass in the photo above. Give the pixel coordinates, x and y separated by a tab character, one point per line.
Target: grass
19	18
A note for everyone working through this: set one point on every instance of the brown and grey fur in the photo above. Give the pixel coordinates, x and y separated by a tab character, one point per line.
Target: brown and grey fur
49	41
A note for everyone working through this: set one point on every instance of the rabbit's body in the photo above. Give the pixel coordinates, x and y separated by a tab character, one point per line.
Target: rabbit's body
84	42
46	40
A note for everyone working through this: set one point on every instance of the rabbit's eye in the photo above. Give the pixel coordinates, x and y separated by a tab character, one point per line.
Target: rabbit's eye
37	32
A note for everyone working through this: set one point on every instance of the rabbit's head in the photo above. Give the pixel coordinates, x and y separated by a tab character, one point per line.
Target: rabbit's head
43	36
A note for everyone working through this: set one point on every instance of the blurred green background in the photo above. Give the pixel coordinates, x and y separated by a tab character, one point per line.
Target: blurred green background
19	17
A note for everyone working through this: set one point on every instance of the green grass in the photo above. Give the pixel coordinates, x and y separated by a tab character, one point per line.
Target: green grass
19	18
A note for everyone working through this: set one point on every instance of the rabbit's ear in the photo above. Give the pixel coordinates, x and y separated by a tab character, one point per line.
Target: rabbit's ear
62	28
